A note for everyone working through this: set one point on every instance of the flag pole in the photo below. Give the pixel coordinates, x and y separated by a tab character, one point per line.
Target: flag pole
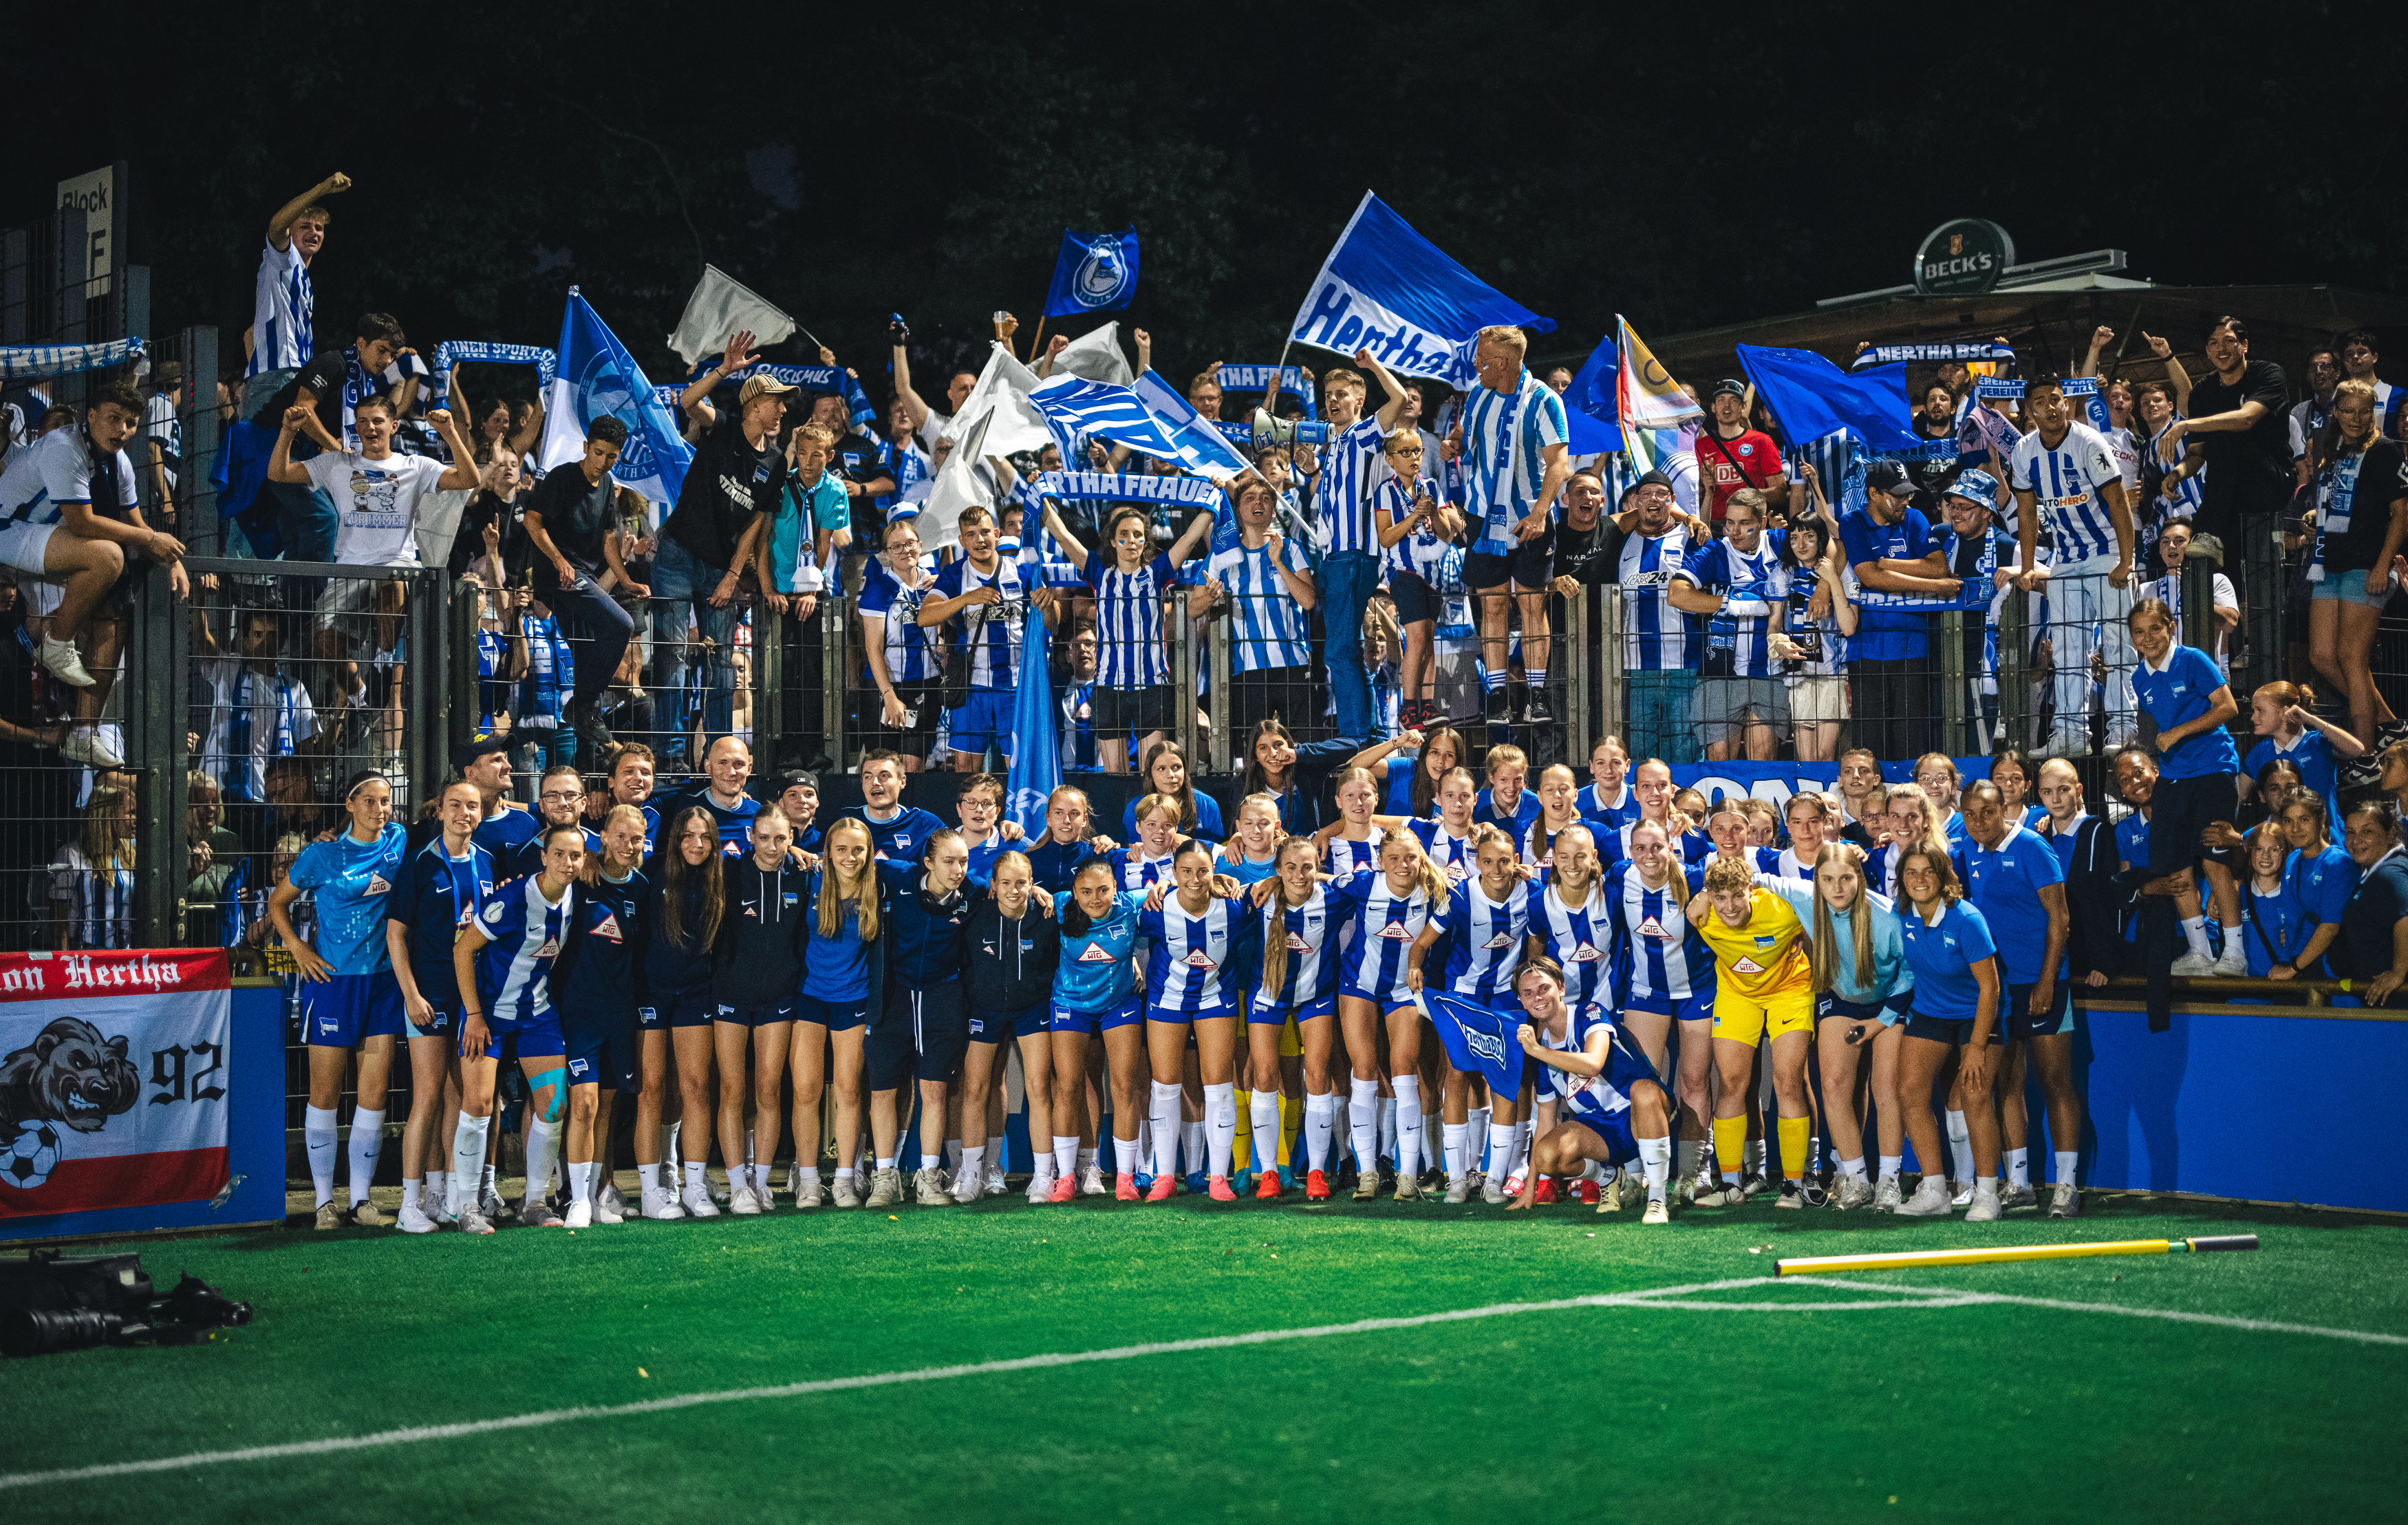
1036	342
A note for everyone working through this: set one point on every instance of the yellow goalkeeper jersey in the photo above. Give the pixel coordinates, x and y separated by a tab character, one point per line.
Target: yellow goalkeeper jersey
1766	958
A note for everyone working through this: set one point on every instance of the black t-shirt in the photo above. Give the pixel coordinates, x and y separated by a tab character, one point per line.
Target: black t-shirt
578	515
727	483
2255	454
1930	475
323	378
859	460
2382	481
1580	555
2376	906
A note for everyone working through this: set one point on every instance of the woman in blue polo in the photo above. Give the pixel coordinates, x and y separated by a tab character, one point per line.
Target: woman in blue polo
348	999
2184	693
1957	998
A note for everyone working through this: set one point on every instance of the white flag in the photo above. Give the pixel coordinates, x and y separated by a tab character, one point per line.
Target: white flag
721	308
961	480
1002	393
1098	357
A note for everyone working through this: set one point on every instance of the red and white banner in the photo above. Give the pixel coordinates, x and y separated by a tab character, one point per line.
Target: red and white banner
113	1079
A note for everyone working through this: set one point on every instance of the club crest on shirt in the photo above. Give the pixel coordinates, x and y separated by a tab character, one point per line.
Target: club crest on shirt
1763	941
1097	954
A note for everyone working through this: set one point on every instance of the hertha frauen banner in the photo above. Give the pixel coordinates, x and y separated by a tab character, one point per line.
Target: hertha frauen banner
113	1079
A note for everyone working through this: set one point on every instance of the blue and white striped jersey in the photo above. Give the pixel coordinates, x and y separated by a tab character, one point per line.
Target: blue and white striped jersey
1658	957
1784	863
524	932
1345	857
1128	620
909	655
283	306
992	630
2068	484
1657	638
1421	552
1343	493
1598	1098
1133	870
1735	644
1455	856
549	674
1594	806
1505	440
1485	937
99	900
1188	971
1537	845
1268	624
1385	924
1580	938
1614	846
1313	956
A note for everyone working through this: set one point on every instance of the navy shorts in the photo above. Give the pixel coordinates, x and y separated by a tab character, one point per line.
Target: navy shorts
985	1027
690	1011
1955	1033
1621	1145
1120	711
1415	603
2059	1018
835	1016
984	721
2179	811
922	1035
346	1010
755	1016
1680	1007
532	1037
602	1049
442	1017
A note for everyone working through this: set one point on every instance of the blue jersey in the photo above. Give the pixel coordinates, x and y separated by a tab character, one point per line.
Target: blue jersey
1234	862
991	631
547	672
599	980
1208	819
1345	857
527	857
1098	967
2179	692
1485	937
350	882
1883	634
1943	956
1604	1097
901	837
1343	493
836	970
1189	972
1057	863
734	823
1396	797
1655	637
982	857
1268	626
1133	870
2005	885
1784	863
1129	651
435	897
1614	846
906	650
501	833
1516	823
1736	644
1385	924
2312	755
1660	960
1310	932
1578	937
2322	882
523	933
1454	854
1592	805
2277	928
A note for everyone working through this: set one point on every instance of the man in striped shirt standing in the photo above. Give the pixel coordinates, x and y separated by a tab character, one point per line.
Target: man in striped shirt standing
2067	469
284	303
1349	560
1266	580
1513	441
1659	640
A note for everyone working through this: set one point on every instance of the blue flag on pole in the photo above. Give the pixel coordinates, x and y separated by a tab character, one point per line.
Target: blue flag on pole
1035	769
597	377
1094	273
1478	1041
1387	288
1810	397
1593	422
1201	444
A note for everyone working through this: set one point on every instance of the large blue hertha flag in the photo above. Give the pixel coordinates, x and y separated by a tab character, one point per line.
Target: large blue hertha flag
1203	449
1094	273
1077	405
1478	1041
1035	769
1387	288
597	377
1812	398
1593	422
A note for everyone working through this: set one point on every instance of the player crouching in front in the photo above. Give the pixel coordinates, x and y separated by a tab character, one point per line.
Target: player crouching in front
1612	1107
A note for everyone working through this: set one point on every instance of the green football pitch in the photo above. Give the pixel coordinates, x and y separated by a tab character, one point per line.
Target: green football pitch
991	1362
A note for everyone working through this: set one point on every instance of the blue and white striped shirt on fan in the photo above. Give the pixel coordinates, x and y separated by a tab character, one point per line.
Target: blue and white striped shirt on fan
1736	646
1505	437
2068	485
282	308
1421	551
1343	493
908	655
993	630
1657	638
1268	625
1128	620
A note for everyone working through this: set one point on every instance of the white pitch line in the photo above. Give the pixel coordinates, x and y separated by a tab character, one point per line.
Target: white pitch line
1660	1297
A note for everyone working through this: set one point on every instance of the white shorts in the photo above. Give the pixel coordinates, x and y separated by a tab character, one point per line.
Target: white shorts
1818	700
24	544
349	605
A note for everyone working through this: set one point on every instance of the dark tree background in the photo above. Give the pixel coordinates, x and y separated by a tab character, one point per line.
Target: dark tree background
849	162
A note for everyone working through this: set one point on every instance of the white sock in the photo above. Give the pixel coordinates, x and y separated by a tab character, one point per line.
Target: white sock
1453	1138
1655	1160
410	1189
1065	1155
1125	1155
1960	1148
846	1172
318	1138
1521	1147
1086	1156
1387	1145
1410	1124
580	1181
649	1175
1500	1152
2069	1161
2195	933
1263	1118
695	1178
1853	1168
809	1182
2019	1166
1320	1123
1165	1128
931	1162
1476	1119
540	1139
467	1151
1192	1140
881	1162
1890	1165
366	1140
1220	1126
973	1162
1363	1121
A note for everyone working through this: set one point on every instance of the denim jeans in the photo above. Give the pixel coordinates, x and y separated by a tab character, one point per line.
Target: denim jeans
681	588
1347	580
1659	716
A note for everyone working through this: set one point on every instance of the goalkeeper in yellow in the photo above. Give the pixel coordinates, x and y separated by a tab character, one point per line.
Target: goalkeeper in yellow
1763	981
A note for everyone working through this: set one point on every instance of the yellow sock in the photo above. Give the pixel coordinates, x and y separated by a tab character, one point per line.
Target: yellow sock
1291	1119
1731	1143
1793	1147
1241	1145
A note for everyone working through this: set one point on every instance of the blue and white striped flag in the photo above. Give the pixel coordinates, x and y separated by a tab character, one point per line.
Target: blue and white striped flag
1203	449
1077	406
1035	769
1387	288
597	376
1478	1041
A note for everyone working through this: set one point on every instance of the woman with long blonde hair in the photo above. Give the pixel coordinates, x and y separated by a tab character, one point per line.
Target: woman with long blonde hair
834	1008
1862	987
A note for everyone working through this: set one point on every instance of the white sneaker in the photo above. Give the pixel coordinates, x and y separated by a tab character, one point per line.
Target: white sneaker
2066	1202
1985	1208
808	1193
967	1188
1931	1200
414	1221
846	1192
1960	1193
1459	1189
431	1203
995	1186
85	744
2194	966
1887	1197
1657	1211
60	657
609	1205
580	1214
2012	1197
539	1215
743	1203
2235	964
658	1203
2067	745
698	1203
1091	1182
1041	1188
1492	1191
1855	1192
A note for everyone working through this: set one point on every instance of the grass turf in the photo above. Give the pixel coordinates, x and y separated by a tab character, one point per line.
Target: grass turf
1961	1413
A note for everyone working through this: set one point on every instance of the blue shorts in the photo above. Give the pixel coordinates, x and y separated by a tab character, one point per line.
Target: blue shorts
922	1035
1127	1013
1954	1031
1827	1006
755	1016
835	1016
602	1051
2347	586
689	1011
994	1029
535	1037
1271	1013
1386	1001
442	1017
346	1010
1621	1145
1680	1008
1172	1018
986	719
2057	1020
